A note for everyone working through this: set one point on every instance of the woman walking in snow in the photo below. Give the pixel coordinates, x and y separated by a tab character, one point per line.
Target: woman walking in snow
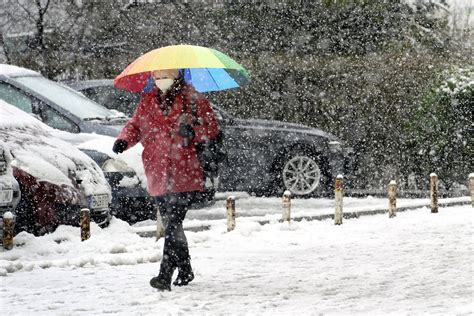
169	121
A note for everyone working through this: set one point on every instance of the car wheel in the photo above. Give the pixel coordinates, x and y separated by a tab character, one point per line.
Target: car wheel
303	173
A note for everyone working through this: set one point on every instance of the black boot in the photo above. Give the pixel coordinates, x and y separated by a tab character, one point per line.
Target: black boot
160	284
183	278
185	275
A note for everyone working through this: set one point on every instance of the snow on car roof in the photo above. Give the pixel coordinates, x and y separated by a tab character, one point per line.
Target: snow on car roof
39	152
15	71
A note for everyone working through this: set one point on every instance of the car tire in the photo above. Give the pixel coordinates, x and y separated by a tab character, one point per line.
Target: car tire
303	173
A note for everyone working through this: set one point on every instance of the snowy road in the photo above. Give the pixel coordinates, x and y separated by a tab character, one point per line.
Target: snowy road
416	263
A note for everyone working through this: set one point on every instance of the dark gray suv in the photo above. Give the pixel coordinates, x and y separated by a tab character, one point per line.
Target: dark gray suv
263	157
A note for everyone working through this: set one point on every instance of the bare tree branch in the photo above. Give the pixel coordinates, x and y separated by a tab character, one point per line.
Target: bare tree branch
27	11
46	6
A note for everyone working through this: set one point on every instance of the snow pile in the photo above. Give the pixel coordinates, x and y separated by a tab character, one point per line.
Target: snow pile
114	245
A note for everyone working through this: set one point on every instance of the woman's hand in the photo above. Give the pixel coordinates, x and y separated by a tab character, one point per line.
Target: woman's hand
119	146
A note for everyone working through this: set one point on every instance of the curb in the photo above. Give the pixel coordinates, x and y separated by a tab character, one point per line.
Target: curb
349	215
346	215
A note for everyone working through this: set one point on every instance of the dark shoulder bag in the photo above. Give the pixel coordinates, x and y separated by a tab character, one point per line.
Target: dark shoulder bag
210	153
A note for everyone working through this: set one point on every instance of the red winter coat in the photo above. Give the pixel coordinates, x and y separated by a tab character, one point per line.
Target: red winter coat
169	165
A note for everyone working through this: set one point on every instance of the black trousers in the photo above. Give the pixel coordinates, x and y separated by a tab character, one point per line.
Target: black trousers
173	208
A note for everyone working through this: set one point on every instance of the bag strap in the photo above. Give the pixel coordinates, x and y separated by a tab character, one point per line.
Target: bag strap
192	101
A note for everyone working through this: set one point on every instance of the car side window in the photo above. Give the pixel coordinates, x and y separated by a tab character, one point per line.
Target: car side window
15	97
56	120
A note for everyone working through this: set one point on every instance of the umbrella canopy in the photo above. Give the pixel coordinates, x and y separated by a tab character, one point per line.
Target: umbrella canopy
206	69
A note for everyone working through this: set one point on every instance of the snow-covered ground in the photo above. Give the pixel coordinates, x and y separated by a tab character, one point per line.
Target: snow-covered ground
416	263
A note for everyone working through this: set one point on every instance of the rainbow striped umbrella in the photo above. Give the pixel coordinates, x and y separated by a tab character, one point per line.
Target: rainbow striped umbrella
206	69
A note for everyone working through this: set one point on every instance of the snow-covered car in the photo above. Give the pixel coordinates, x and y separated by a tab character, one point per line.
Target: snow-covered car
65	109
9	189
56	179
125	174
264	157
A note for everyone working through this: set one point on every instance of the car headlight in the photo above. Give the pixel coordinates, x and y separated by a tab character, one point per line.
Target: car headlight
335	147
114	165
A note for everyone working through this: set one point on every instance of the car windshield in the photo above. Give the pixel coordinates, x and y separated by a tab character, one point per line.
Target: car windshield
67	98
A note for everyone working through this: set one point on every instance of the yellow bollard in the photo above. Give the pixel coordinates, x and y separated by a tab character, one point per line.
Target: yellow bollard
434	192
338	200
8	224
392	199
286	206
85	224
230	213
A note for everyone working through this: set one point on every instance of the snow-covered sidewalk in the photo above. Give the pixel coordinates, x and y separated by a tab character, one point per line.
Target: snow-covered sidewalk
416	263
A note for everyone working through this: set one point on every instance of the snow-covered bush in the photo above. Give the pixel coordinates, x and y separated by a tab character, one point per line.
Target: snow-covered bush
442	130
